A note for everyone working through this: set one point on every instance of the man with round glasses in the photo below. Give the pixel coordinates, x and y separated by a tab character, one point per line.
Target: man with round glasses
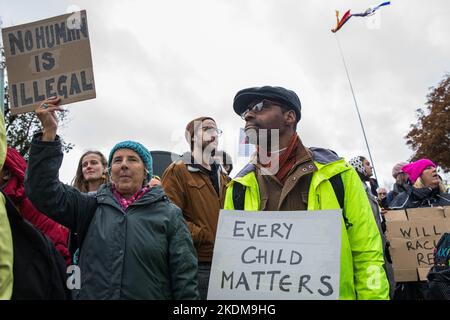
284	175
197	184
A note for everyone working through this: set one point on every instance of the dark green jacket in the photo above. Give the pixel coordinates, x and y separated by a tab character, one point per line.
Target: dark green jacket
143	253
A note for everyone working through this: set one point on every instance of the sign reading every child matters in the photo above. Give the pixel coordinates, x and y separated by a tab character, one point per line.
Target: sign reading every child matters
276	255
47	58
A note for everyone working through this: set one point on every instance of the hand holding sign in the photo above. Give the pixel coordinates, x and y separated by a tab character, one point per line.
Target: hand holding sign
47	116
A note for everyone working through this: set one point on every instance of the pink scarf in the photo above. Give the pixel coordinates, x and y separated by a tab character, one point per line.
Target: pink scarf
125	203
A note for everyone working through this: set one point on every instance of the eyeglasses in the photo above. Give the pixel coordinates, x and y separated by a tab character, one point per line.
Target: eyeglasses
218	131
258	107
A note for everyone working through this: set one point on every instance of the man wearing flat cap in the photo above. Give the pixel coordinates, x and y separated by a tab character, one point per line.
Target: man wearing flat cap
197	185
284	175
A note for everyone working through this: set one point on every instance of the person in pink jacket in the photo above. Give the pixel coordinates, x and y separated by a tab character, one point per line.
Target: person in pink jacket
12	183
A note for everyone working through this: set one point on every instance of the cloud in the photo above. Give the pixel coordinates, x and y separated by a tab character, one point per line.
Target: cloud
158	65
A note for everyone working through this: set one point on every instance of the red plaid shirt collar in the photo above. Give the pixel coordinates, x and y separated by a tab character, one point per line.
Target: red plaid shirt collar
125	203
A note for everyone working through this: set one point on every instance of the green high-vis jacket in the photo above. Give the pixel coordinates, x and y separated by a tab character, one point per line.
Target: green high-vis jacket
362	275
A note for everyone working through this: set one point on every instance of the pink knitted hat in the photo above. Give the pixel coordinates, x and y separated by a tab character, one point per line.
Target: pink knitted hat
415	169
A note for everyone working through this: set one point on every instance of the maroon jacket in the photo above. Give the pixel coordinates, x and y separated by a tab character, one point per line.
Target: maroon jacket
15	190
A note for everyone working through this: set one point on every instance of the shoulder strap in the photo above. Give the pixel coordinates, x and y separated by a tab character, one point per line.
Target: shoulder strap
338	187
238	196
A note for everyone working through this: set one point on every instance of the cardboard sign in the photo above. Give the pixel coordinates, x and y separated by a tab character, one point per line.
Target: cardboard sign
413	235
47	58
276	255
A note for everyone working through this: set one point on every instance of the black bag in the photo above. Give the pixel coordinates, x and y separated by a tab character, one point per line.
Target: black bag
39	270
439	275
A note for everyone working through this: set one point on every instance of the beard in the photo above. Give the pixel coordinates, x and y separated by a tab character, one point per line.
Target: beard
207	152
209	148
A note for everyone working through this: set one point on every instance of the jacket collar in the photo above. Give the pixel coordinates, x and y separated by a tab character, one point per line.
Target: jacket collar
105	196
187	159
424	193
327	162
319	155
324	156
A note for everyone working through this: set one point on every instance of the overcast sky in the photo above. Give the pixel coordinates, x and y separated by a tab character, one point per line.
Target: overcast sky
159	64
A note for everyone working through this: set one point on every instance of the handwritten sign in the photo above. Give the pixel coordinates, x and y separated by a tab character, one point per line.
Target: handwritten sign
413	235
46	58
276	255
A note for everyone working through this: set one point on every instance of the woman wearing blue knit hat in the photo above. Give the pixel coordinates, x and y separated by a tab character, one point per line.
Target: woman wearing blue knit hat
134	242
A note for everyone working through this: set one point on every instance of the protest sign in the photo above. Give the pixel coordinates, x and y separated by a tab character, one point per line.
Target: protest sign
276	255
413	235
47	58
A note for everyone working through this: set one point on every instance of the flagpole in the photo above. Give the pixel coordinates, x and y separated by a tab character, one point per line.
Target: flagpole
356	106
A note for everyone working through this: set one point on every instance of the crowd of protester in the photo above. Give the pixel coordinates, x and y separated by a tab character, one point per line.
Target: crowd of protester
136	236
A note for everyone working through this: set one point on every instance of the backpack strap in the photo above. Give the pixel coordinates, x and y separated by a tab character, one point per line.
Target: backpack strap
238	196
339	191
338	187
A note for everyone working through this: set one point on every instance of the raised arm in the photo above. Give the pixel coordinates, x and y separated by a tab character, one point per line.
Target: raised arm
62	203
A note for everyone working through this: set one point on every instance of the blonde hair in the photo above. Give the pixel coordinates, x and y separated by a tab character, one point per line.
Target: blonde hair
419	184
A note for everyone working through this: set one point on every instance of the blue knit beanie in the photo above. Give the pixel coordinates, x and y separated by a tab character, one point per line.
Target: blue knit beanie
142	151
